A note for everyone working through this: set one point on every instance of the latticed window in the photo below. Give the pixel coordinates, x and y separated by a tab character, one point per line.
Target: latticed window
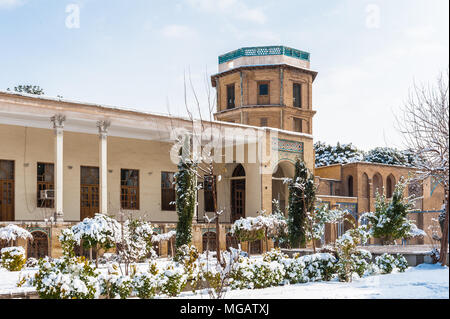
167	191
45	185
129	192
210	192
263	93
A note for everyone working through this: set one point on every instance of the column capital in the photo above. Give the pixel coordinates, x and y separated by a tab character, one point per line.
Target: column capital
58	121
103	127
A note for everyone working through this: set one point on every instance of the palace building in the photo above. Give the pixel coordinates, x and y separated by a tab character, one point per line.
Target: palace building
62	161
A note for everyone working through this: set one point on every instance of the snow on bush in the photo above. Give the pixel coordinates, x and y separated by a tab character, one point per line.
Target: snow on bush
101	230
386	263
254	228
274	255
256	274
165	236
173	279
145	285
401	263
12	258
294	270
64	278
12	232
319	266
114	286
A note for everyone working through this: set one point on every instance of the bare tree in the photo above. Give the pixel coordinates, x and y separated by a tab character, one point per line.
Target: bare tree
424	124
205	160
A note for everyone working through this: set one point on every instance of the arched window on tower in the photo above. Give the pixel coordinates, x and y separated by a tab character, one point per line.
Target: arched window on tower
350	186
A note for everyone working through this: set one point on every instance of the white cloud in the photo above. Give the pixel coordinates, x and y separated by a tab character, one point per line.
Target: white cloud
5	4
235	9
178	31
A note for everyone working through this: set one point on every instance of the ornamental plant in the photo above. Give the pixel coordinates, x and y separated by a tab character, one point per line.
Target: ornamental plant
13	258
64	278
390	219
401	263
302	195
173	279
186	183
386	263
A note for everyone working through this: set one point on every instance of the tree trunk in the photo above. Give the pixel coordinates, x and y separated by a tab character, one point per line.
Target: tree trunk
444	238
218	239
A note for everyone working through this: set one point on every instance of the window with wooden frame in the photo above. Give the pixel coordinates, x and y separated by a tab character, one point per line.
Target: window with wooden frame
45	185
209	194
263	121
263	93
167	191
129	188
297	95
230	96
298	125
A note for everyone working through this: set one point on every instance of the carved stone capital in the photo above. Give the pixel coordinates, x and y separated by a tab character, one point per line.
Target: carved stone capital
58	121
103	127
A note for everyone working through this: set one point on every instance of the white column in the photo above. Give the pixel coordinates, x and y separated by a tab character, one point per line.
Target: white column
58	126
103	153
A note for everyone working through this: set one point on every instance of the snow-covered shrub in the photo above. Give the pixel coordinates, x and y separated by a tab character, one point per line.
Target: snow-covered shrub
31	262
361	262
187	255
401	263
115	285
68	242
294	270
390	219
274	254
64	278
173	279
12	232
386	263
145	285
319	266
256	274
13	258
350	259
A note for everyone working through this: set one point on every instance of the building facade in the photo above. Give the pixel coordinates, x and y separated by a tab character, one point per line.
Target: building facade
62	161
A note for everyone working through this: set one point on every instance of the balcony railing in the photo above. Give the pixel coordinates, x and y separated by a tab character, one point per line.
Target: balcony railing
262	51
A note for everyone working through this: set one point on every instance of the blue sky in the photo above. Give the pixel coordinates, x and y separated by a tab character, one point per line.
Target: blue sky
134	53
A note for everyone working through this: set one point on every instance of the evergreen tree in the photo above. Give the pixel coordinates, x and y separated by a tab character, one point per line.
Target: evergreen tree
302	195
390	219
186	184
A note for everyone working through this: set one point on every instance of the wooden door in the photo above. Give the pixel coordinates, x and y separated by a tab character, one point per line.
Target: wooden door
238	200
89	192
6	190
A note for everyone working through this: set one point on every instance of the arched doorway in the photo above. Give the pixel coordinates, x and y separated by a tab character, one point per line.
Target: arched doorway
38	247
238	193
209	241
390	185
280	190
377	184
350	186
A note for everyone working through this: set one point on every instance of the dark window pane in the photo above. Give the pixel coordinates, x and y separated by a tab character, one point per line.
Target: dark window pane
264	89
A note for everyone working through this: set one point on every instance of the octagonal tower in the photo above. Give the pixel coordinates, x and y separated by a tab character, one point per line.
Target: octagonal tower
265	86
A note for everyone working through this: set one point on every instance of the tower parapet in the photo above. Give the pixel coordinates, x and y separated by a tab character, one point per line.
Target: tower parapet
265	86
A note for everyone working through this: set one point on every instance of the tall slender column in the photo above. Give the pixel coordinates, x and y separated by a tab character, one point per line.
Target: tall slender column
58	126
103	159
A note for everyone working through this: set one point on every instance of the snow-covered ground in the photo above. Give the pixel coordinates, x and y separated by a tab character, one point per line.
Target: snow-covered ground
425	281
421	282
